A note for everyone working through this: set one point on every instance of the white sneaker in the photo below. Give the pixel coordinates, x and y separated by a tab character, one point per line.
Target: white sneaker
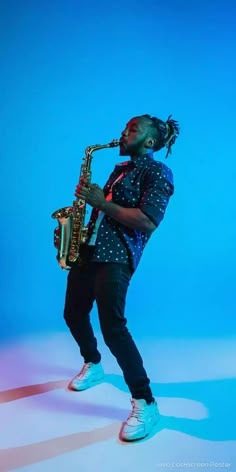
140	421
87	377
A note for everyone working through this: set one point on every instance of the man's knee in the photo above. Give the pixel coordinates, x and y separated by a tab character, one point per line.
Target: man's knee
69	317
113	334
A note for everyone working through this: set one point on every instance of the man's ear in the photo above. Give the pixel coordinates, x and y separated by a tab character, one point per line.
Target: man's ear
150	143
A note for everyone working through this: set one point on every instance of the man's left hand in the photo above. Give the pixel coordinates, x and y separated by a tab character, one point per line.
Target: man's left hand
92	194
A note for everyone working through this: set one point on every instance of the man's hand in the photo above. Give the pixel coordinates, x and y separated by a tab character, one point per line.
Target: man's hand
92	194
131	217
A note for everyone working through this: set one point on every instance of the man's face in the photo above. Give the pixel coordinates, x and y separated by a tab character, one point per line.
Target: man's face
134	137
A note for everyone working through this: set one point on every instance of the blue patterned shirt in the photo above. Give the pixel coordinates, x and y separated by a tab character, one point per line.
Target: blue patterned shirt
145	184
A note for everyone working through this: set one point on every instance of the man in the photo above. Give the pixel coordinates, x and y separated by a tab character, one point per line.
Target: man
125	214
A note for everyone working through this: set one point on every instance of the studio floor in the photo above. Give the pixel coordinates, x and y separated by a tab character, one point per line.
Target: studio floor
46	428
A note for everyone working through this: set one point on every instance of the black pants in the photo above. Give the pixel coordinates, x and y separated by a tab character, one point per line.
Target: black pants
107	284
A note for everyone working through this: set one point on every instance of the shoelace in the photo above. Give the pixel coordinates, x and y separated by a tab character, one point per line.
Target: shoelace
84	370
136	411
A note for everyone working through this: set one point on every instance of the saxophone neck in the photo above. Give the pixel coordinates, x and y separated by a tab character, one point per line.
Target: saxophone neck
96	147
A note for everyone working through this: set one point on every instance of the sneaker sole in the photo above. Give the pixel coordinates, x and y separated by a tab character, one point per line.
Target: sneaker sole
123	439
86	387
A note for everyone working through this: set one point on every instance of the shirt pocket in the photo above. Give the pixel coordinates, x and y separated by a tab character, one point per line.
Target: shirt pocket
126	192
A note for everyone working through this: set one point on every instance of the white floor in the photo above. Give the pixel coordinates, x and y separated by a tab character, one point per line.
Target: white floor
46	428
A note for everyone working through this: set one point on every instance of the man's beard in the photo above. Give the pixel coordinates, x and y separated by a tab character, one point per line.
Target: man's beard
130	149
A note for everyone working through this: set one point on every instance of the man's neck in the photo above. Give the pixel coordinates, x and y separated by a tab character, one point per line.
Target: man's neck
142	154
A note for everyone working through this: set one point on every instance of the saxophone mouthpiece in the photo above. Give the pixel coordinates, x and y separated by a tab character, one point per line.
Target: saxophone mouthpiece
115	142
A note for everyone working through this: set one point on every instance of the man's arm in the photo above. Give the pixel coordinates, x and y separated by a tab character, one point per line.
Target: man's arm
132	217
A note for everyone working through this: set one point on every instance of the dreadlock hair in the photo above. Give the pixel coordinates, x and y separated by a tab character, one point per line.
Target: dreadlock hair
166	132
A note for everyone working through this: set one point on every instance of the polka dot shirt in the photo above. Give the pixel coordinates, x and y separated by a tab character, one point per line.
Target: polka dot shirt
145	184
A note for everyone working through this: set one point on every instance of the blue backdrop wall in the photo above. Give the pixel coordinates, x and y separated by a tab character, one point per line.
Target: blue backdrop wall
73	74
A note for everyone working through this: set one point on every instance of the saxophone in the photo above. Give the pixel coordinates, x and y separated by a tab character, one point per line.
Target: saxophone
72	232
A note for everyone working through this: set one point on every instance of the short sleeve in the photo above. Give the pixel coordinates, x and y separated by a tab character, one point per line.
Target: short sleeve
157	188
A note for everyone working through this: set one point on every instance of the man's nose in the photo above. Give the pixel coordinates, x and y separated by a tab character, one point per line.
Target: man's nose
125	132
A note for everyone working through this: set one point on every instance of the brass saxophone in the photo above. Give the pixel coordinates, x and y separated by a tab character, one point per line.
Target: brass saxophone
72	232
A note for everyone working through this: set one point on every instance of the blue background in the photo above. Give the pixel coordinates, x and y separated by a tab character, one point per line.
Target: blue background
73	74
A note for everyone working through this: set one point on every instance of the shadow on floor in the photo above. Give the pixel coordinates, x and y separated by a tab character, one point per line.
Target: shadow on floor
218	396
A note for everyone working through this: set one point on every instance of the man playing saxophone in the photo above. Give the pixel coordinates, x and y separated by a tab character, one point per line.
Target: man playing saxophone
125	214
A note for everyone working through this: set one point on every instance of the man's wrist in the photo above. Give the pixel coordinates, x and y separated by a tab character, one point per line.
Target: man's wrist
104	206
